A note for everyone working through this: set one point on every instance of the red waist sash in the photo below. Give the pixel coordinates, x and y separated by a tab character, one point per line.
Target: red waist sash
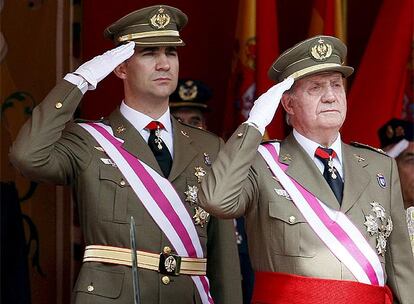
281	288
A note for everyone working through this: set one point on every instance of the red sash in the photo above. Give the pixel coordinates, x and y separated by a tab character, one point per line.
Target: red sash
282	288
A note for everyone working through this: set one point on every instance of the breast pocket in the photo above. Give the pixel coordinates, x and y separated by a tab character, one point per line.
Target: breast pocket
290	234
117	197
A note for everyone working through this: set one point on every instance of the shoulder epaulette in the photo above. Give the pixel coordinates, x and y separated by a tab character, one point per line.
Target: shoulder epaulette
197	128
359	145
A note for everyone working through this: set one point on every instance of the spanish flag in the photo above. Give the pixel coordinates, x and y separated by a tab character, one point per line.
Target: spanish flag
377	92
255	48
328	17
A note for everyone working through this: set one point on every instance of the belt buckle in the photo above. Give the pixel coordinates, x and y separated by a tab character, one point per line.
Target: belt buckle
170	264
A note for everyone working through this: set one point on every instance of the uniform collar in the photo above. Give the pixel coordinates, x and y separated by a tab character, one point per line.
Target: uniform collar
310	146
140	120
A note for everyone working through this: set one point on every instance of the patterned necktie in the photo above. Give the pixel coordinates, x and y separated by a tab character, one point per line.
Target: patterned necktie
330	173
158	147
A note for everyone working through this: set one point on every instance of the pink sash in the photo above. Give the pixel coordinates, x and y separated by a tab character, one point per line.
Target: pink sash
333	227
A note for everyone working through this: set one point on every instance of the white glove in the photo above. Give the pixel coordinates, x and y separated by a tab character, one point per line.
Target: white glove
265	106
100	66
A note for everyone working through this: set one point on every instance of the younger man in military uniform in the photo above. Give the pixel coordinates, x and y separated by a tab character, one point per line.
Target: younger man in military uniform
141	163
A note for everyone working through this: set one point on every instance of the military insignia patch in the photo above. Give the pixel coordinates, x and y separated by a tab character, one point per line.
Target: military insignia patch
191	194
108	161
207	160
321	51
381	180
286	157
359	158
283	193
201	216
379	224
199	173
160	20
120	129
184	133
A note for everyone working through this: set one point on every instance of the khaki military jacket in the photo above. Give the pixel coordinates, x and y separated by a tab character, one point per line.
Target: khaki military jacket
280	240
50	148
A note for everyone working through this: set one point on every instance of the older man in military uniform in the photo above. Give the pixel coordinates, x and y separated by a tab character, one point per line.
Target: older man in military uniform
397	140
325	220
140	163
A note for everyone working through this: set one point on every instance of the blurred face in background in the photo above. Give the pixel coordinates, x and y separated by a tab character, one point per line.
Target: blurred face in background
190	116
405	162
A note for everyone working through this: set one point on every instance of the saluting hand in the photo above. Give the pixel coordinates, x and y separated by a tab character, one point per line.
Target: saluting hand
100	66
265	106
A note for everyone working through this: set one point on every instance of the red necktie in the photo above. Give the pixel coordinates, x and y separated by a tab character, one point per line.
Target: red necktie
330	173
158	147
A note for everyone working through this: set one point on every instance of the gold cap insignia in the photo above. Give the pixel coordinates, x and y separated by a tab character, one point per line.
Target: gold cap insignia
188	91
321	51
161	19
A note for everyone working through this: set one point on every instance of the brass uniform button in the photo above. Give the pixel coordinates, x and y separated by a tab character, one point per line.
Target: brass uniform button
122	183
167	250
239	134
165	280
292	219
90	288
58	105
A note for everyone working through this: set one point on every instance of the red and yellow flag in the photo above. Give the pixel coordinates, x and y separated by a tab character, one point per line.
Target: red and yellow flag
328	18
256	47
378	89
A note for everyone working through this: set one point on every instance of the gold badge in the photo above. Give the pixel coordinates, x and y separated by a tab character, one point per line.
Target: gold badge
321	51
188	91
191	194
380	225
120	129
359	158
161	19
185	134
199	173
201	216
286	157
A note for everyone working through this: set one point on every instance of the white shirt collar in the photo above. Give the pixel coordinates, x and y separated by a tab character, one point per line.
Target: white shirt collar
310	147
140	120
